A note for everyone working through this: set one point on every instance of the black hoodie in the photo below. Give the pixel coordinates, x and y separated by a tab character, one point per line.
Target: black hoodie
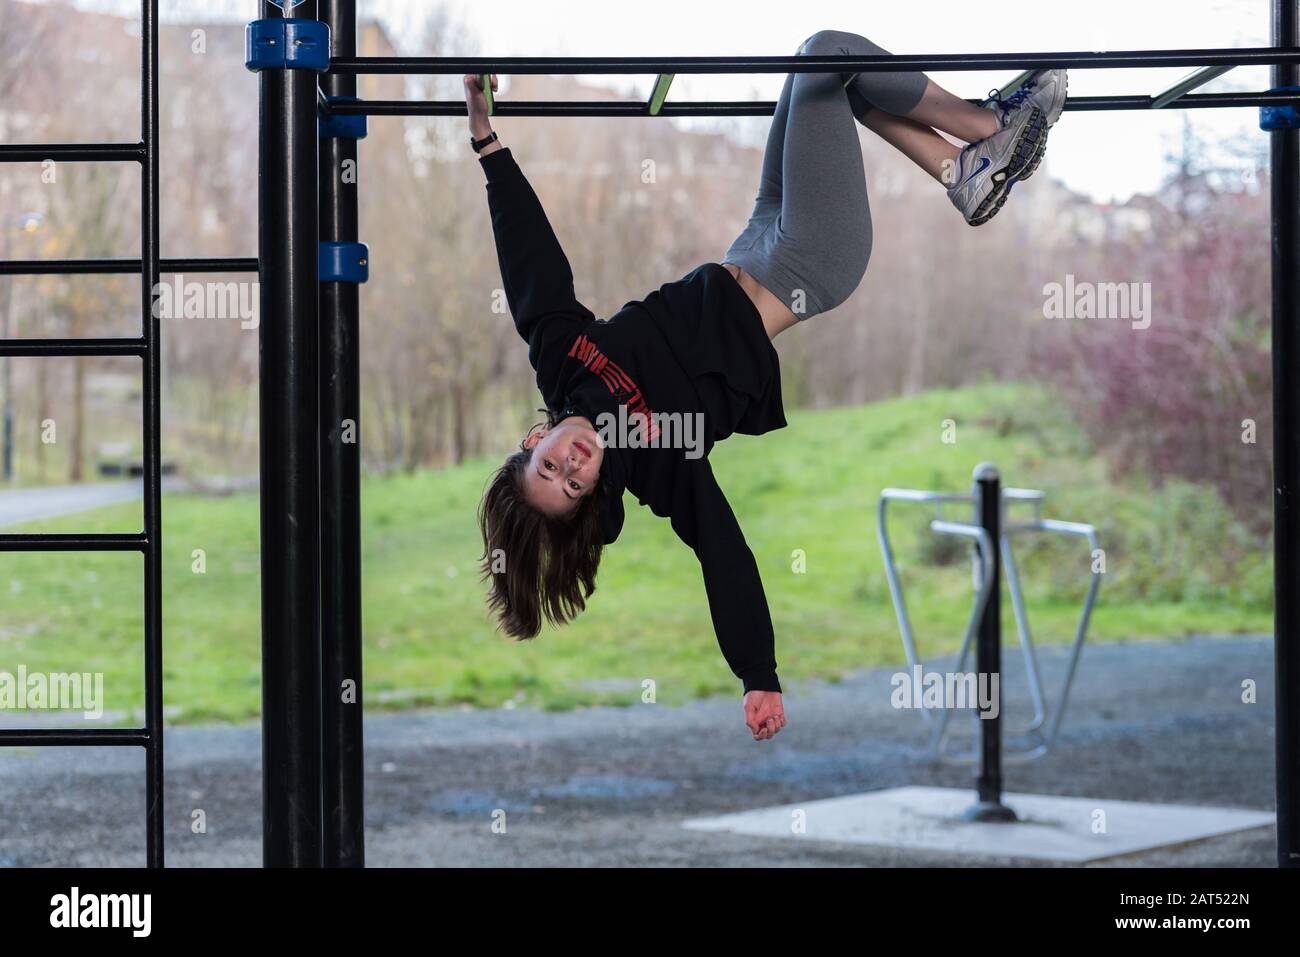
695	347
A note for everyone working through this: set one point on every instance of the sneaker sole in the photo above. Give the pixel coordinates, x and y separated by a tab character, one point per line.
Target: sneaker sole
1042	149
1032	140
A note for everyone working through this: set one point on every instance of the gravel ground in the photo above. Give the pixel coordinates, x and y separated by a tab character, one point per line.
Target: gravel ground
1150	721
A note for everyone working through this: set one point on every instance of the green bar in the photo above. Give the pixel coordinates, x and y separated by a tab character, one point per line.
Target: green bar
660	93
487	91
1190	82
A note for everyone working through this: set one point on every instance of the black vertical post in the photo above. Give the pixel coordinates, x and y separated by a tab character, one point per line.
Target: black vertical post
987	493
340	469
152	436
1284	163
290	468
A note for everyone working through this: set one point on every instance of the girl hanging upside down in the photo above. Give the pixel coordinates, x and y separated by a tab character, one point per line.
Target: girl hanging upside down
699	350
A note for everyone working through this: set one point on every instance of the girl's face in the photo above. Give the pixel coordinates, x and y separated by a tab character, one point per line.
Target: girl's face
564	468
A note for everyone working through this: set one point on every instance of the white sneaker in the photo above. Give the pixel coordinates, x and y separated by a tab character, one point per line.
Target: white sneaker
986	169
1045	89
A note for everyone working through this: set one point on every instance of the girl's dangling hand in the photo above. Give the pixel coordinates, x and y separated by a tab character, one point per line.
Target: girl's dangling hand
764	714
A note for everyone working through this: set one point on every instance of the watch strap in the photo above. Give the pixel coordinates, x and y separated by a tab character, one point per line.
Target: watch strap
477	145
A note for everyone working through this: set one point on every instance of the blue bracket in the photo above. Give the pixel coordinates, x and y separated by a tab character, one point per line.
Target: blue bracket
287	43
1284	117
333	126
344	262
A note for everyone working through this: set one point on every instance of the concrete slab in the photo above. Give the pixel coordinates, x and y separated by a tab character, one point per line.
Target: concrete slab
1051	828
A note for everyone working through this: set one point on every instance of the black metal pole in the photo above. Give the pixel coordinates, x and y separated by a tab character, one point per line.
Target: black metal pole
290	468
340	467
828	63
74	152
8	422
988	653
105	267
7	367
1284	162
152	436
639	108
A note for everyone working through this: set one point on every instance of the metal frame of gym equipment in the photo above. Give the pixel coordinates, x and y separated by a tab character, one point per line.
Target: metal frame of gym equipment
989	522
309	263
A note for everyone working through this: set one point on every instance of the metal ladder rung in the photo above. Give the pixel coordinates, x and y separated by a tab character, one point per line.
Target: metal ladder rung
73	152
108	267
74	737
74	542
127	346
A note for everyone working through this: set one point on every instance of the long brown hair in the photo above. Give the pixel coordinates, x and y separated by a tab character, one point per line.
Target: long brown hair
537	564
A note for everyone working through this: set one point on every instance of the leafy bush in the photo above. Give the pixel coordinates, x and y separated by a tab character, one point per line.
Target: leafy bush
1189	396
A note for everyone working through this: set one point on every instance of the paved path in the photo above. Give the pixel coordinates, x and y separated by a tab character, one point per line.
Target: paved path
52	501
1154	721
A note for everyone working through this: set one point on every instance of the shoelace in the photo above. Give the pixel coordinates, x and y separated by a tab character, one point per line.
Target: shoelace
1005	106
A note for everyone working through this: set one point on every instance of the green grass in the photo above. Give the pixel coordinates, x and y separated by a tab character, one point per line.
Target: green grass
1176	563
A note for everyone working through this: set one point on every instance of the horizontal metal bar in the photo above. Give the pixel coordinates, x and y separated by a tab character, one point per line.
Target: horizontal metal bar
237	264
73	737
73	542
1195	101
557	108
961	529
73	152
920	495
1079	529
765	107
73	347
74	267
1023	494
1188	83
1241	56
1082	529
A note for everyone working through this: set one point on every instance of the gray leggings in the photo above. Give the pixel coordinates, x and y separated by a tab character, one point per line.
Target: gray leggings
809	237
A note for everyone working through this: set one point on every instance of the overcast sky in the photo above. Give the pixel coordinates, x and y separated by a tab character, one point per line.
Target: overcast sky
1107	155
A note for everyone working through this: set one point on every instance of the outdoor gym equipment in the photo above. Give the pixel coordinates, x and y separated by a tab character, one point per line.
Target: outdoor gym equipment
990	531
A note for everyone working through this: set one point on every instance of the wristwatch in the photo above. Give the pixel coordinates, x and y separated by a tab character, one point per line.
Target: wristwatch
479	144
